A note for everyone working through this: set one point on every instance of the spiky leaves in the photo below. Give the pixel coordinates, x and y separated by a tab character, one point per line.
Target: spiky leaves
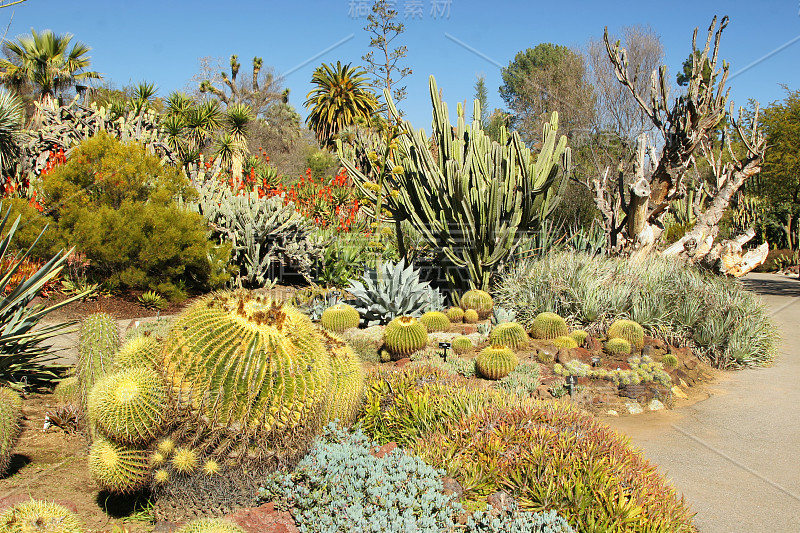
39	517
435	321
496	362
117	468
462	344
405	335
127	406
340	317
628	330
510	334
480	301
10	410
548	326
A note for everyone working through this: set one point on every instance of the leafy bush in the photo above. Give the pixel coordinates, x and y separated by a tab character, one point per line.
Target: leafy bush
728	324
554	457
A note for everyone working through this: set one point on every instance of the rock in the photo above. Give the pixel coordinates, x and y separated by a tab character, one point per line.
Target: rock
385	449
400	363
593	345
648	350
612	412
542	392
165	526
563	355
501	500
684	378
550	351
678	393
634	408
468	329
264	519
655	405
451	486
655	343
581	354
690	363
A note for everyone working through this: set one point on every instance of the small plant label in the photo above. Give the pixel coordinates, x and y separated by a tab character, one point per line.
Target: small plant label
572	380
445	346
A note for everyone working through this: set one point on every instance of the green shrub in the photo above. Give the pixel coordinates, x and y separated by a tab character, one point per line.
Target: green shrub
31	225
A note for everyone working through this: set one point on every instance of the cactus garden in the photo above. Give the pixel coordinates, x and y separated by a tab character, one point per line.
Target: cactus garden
222	315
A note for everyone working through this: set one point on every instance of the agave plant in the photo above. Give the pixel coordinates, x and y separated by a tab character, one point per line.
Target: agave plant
392	291
23	357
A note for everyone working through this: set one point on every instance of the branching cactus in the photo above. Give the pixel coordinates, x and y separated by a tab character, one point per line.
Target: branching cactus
99	341
510	334
496	362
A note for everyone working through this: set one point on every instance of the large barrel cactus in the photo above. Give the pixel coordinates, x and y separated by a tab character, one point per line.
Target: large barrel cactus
35	516
118	468
141	351
99	341
628	330
405	335
548	326
340	317
496	362
480	301
509	333
435	321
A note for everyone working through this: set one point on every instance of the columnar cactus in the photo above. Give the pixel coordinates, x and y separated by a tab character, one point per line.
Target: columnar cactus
455	314
10	411
496	362
565	341
435	321
628	330
66	391
340	317
99	341
141	351
118	468
510	334
618	346
471	316
39	517
548	326
405	335
480	301
462	344
580	336
347	382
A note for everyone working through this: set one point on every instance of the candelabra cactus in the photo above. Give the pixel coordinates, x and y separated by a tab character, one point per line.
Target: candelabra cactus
628	330
118	468
39	517
471	316
141	351
565	341
405	335
548	326
435	321
510	334
340	317
99	341
618	346
10	410
496	362
455	314
462	344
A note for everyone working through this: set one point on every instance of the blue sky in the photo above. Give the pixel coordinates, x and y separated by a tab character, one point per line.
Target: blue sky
162	41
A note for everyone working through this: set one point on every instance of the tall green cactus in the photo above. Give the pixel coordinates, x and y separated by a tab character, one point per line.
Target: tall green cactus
472	198
10	411
99	341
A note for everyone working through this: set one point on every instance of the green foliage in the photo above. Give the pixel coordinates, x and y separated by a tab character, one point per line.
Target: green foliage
462	344
455	314
118	468
548	325
435	321
405	335
496	362
210	525
97	344
563	458
40	517
32	225
66	391
729	326
510	334
628	330
522	381
480	301
152	300
617	345
10	413
565	341
340	317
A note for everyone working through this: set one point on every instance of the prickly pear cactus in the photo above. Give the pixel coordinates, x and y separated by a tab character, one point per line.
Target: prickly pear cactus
39	517
480	301
347	383
471	316
462	344
565	341
548	326
99	341
618	346
496	362
435	321
405	335
141	351
340	317
10	411
628	330
118	468
509	333
455	314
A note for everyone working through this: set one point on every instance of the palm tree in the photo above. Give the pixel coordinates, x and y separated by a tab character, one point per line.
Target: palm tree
11	119
46	61
340	99
233	142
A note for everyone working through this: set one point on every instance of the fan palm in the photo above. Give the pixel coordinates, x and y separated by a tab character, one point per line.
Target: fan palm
11	118
340	99
46	61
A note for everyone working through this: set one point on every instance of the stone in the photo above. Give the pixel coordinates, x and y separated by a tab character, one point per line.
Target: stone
655	343
593	345
402	362
690	363
581	354
612	412
655	405
468	329
264	519
542	392
451	486
385	449
634	408
678	393
648	350
501	500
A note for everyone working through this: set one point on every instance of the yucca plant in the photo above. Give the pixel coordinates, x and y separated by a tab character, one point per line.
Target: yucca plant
22	354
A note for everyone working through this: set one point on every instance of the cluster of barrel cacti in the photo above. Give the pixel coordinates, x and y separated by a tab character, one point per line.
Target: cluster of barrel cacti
10	412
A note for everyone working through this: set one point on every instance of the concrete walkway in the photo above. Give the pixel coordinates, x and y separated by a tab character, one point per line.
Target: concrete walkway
736	456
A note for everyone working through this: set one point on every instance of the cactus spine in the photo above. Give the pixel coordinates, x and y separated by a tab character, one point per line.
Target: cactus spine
405	335
435	321
10	411
628	330
347	382
455	314
580	336
669	361
462	344
471	316
210	525
66	391
139	352
480	301
618	346
548	326
39	517
496	362
99	341
340	317
510	334
565	341
118	468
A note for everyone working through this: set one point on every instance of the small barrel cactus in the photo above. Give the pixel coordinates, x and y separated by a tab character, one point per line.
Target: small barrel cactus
98	342
455	314
118	468
545	357
405	335
510	334
628	330
496	362
141	351
480	301
340	317
435	321
618	346
185	460
347	382
39	517
10	411
565	341
548	326
210	525
461	344
669	361
580	336
66	391
471	316
127	406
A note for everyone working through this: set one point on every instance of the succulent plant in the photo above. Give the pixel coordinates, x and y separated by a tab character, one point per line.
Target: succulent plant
548	326
340	317
496	362
455	314
210	525
628	330
390	292
142	351
161	476
669	361
10	411
405	335
545	357
185	460
166	446
118	468
39	517
127	406
580	336
435	321
471	316
480	301
99	341
462	344
501	315
347	382
211	467
565	341
510	334
618	346
66	390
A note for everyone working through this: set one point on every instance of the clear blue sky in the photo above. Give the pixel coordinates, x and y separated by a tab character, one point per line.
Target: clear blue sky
161	41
